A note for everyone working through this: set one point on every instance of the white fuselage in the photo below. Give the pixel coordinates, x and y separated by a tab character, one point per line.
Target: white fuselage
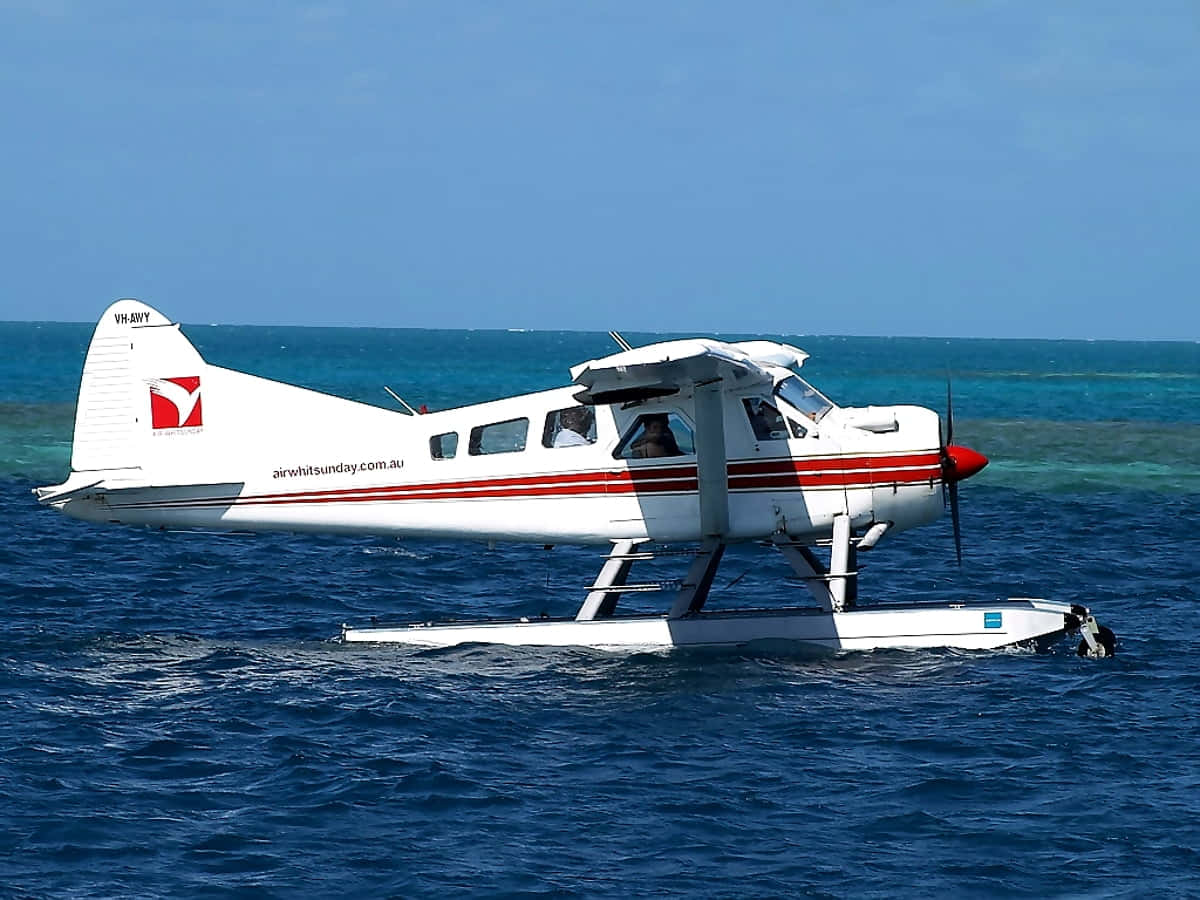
387	473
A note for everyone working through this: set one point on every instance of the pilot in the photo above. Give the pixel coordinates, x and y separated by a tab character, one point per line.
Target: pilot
656	438
766	422
576	422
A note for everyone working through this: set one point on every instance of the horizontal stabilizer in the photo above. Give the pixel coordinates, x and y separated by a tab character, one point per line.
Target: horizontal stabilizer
63	492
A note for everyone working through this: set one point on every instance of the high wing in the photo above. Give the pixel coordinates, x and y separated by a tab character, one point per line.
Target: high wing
666	368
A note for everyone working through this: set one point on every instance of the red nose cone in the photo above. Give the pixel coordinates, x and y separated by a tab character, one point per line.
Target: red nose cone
963	462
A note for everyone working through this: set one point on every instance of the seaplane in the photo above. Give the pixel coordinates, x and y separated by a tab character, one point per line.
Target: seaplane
683	447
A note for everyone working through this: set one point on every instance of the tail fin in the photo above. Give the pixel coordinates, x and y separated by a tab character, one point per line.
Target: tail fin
152	412
133	347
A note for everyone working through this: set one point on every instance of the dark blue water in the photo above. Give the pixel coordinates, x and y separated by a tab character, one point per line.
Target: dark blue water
176	720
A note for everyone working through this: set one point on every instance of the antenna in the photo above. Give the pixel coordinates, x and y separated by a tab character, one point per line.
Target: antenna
400	400
620	341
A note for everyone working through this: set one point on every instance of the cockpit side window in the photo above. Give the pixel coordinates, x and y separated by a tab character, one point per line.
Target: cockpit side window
574	426
803	397
767	422
655	435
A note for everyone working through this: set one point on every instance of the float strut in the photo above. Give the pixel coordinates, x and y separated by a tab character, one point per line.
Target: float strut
602	598
698	581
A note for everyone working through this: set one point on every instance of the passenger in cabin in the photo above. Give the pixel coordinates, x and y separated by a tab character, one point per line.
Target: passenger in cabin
656	438
576	429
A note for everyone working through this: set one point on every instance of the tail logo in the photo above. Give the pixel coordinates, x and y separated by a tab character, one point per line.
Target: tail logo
175	402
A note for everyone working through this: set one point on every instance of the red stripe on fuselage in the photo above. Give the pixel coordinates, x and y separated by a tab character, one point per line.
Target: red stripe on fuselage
836	463
744	475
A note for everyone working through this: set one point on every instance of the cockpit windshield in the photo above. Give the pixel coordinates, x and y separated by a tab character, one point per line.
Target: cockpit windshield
803	397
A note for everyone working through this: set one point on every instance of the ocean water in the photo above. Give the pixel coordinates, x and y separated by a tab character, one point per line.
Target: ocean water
177	720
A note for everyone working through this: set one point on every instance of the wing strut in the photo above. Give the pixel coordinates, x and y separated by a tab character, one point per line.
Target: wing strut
710	459
713	478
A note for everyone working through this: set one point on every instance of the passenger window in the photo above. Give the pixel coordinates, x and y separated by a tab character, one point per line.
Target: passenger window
768	423
499	437
444	446
574	426
656	435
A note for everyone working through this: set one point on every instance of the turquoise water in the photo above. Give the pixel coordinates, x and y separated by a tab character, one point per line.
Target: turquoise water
177	722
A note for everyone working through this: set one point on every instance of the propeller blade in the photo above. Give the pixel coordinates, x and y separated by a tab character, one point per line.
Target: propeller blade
946	465
955	520
957	463
949	414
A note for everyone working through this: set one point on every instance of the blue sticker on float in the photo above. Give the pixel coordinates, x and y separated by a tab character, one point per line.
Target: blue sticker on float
993	620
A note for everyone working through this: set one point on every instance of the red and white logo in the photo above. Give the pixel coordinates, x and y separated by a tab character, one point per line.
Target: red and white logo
175	402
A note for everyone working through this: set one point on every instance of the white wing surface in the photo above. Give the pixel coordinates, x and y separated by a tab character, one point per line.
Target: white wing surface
665	368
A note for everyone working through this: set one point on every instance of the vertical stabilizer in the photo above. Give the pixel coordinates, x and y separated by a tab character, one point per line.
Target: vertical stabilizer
114	394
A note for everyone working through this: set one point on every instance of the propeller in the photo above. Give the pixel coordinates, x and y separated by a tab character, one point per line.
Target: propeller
957	463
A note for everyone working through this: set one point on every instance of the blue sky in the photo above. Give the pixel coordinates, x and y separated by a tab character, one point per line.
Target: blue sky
941	168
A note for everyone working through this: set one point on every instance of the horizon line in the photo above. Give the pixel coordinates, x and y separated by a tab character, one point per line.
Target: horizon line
601	331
